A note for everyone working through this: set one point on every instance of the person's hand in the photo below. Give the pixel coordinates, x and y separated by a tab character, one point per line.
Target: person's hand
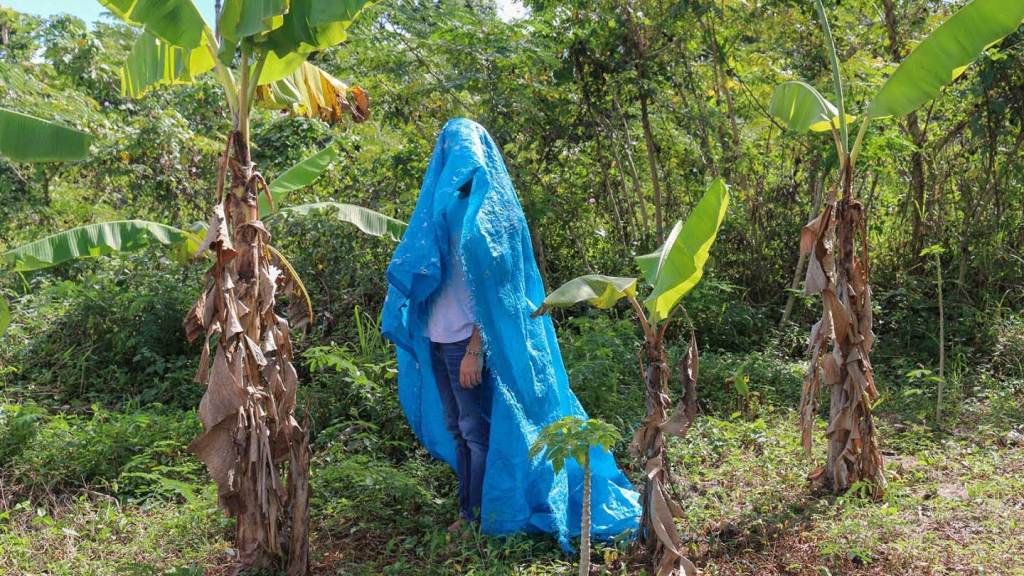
470	369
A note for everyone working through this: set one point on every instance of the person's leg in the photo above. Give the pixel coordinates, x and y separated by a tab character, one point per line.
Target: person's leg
446	382
474	427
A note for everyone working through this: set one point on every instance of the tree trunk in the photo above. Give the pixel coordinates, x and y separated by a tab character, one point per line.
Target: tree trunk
585	520
916	198
942	343
652	162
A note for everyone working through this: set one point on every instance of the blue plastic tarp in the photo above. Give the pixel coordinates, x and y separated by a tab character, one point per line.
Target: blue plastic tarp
530	388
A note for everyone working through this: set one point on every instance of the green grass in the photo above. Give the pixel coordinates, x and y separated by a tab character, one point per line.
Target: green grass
954	505
92	534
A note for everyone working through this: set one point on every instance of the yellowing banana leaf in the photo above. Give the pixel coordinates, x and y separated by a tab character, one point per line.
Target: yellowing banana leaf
5	315
25	138
96	240
153	62
800	107
675	268
599	290
242	18
298	176
312	92
369	221
177	22
312	25
945	54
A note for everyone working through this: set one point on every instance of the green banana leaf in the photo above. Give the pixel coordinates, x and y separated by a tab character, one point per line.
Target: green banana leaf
599	290
97	240
945	54
369	221
675	268
25	138
298	176
153	62
242	18
277	67
177	22
800	107
5	315
312	25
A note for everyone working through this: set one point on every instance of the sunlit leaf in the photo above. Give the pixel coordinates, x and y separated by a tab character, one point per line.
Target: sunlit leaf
298	176
94	240
800	107
277	67
600	291
675	268
312	25
242	18
177	22
153	62
25	138
369	221
945	54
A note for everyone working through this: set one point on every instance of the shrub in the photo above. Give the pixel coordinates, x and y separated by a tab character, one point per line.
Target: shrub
134	454
111	336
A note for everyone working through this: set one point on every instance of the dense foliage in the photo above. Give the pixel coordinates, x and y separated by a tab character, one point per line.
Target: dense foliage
613	117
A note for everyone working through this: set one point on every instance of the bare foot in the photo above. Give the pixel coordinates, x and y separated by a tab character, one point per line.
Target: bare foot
457	525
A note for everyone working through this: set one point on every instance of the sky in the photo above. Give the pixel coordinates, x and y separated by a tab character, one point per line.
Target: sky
89	10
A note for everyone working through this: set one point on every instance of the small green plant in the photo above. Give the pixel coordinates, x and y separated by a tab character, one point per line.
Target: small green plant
573	437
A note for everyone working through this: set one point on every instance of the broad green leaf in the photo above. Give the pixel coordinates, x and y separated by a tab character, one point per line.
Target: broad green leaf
336	11
800	107
675	268
5	315
945	54
312	25
298	176
25	138
369	221
242	18
153	62
93	240
177	22
275	68
599	290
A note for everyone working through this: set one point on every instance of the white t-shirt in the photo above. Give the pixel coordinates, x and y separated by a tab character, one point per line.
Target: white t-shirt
451	314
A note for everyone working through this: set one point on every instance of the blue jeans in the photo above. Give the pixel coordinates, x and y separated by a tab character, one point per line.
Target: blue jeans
467	418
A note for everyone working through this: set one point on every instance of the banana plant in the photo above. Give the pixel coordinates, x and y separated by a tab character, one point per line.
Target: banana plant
258	56
843	283
672	271
25	138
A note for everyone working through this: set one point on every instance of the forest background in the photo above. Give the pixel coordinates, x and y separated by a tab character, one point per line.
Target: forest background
613	116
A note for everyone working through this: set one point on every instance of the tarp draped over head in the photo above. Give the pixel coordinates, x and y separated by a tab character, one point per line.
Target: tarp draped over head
530	386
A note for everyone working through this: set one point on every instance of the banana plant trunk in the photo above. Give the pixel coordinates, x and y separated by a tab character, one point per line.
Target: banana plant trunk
658	532
846	322
248	408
